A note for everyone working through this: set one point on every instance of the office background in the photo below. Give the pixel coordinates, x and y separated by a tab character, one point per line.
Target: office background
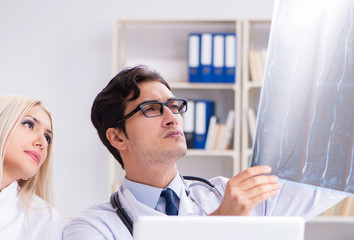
60	52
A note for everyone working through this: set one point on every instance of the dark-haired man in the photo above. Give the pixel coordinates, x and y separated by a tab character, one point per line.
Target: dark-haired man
139	120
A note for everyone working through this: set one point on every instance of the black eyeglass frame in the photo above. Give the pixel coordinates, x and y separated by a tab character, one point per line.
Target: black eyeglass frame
140	108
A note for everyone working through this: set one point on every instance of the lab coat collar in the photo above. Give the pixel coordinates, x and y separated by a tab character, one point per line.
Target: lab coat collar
134	208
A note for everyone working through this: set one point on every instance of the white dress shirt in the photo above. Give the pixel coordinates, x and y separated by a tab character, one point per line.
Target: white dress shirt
151	196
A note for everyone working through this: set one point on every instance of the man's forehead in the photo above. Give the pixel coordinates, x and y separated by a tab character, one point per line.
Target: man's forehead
154	90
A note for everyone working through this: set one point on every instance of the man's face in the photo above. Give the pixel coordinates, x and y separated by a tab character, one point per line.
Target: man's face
158	140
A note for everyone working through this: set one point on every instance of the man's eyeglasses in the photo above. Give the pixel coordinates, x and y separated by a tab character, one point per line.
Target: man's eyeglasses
155	109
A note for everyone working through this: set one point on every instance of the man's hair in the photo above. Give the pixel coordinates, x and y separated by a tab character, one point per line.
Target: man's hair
110	104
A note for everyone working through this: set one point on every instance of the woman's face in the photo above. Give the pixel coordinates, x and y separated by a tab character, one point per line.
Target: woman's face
28	146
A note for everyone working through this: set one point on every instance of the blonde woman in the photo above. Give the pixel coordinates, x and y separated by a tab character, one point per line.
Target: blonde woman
26	134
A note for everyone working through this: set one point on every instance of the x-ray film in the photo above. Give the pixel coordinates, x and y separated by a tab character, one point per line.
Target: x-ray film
305	119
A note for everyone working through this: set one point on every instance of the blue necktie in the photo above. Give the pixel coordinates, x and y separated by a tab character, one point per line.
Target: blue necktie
171	208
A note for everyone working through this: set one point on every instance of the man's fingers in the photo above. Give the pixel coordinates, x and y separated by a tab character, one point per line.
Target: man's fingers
251	172
263	189
253	182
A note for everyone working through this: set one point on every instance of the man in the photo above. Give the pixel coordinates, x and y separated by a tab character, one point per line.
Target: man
139	120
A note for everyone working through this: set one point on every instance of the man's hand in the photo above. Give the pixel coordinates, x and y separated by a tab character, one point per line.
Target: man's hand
247	189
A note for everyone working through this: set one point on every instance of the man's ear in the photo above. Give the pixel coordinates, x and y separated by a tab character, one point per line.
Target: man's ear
114	136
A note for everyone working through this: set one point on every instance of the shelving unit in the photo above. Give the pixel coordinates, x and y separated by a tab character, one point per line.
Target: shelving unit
162	44
255	37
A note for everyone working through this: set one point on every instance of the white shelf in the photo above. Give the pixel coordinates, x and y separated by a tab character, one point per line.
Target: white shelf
251	85
203	86
209	153
162	45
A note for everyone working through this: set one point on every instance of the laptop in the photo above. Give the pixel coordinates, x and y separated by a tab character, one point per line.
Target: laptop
329	228
218	227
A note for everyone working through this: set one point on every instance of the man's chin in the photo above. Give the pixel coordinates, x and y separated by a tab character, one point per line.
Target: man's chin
178	152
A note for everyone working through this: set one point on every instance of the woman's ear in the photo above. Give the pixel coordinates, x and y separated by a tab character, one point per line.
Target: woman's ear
114	137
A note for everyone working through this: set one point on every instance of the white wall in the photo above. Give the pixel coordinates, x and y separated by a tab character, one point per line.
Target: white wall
60	52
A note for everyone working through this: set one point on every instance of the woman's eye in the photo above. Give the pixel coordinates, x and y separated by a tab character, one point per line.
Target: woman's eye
48	139
28	124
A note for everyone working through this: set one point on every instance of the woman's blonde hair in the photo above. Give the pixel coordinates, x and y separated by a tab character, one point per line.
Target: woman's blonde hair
12	109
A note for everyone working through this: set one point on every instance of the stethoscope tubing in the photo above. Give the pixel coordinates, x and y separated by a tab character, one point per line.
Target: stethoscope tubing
123	216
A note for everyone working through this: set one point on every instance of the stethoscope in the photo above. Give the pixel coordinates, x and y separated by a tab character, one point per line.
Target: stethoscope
122	214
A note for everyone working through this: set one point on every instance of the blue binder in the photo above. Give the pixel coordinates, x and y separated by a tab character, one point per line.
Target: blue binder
218	65
230	57
204	109
194	57
206	57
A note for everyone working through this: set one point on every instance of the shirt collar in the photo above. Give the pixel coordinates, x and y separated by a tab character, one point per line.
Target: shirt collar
149	195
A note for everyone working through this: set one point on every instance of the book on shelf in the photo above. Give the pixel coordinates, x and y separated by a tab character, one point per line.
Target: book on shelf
212	57
344	208
220	134
216	135
256	64
211	132
251	118
229	127
202	128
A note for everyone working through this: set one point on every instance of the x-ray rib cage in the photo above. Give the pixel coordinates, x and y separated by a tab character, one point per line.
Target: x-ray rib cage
305	121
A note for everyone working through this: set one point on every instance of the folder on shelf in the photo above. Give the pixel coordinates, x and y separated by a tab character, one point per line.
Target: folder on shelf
206	57
230	57
204	109
189	122
218	57
193	57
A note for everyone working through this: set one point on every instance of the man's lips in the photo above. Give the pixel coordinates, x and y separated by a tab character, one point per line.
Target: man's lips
175	133
36	157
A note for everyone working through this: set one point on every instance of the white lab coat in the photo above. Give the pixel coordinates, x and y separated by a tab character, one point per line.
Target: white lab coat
102	222
41	222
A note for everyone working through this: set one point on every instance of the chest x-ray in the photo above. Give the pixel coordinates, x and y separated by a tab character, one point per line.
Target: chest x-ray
305	121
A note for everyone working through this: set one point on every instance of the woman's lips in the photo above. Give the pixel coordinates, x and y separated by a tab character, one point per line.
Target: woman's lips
36	157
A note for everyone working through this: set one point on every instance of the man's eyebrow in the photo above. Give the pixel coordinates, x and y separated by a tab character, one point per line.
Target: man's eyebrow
38	122
155	101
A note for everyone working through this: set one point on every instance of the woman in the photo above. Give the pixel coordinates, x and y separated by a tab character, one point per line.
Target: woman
26	170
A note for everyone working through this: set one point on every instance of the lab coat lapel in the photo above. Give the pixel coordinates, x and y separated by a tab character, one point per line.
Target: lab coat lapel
186	206
134	208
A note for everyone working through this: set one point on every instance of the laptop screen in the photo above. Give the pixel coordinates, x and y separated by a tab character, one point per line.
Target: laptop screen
218	227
